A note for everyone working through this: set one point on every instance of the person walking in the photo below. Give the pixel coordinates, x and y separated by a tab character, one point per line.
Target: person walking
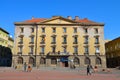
25	66
89	67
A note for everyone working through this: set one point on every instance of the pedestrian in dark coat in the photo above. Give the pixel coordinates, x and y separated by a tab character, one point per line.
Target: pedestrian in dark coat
89	67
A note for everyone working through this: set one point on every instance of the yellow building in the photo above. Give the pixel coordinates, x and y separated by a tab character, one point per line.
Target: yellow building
113	52
59	42
4	37
6	43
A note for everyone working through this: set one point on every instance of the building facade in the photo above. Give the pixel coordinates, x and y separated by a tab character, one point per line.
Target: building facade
113	53
6	48
4	37
59	42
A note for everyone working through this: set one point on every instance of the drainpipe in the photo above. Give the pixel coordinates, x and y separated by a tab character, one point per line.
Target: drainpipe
36	44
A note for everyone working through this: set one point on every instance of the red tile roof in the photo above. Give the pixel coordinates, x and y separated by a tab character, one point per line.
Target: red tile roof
85	20
36	20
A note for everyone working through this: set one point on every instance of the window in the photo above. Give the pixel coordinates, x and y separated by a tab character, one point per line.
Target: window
42	49
21	40
86	49
76	49
22	30
54	30
97	49
85	30
87	61
76	61
32	39
32	30
43	40
96	40
20	49
43	30
31	49
118	45
96	30
86	39
75	40
64	49
53	49
54	61
53	39
20	60
98	61
64	30
31	60
75	30
42	61
64	40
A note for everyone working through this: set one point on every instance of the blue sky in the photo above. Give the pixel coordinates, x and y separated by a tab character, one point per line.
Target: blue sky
106	11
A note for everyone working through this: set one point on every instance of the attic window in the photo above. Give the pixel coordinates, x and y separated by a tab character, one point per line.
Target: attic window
64	30
96	30
85	30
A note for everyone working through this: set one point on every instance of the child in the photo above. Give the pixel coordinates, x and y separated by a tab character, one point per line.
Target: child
29	69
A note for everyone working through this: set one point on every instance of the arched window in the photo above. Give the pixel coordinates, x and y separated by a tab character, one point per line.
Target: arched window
42	61
31	60
87	61
20	60
76	61
98	61
53	61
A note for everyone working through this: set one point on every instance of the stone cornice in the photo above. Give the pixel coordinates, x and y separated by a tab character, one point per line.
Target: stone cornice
76	24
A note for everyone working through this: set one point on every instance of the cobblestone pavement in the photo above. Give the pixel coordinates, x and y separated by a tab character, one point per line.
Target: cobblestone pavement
57	74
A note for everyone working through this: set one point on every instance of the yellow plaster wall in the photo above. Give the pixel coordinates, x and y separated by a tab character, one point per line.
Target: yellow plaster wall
59	39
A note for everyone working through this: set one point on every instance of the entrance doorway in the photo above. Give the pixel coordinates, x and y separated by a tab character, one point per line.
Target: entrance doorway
66	63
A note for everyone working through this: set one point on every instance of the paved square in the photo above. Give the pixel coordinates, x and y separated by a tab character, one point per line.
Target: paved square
57	74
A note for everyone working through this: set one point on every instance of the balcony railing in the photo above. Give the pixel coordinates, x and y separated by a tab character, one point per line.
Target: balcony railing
75	42
75	53
42	53
21	35
19	53
64	42
20	42
97	54
31	42
53	42
85	42
30	53
42	42
86	54
96	42
58	54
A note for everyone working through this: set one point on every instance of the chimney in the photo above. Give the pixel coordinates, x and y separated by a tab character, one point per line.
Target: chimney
32	17
55	16
69	17
76	18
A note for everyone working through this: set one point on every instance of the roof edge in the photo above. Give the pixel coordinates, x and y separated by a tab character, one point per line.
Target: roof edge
4	30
